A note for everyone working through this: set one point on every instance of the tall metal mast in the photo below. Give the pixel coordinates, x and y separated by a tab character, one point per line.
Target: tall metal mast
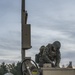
26	32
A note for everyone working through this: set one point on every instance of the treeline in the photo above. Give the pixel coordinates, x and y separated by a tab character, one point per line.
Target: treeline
15	69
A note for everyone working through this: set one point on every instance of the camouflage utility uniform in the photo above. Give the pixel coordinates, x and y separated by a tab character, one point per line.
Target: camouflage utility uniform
50	54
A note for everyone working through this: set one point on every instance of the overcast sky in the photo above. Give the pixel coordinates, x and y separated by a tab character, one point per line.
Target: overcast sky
50	20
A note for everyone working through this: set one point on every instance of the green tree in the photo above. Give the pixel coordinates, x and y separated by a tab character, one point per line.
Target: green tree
3	69
16	70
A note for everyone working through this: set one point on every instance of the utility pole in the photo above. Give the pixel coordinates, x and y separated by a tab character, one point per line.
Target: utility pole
25	31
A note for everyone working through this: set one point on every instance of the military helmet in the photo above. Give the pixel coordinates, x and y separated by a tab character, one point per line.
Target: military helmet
42	48
56	44
49	45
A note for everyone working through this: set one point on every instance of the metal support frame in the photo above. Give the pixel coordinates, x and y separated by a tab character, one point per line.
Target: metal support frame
25	31
22	22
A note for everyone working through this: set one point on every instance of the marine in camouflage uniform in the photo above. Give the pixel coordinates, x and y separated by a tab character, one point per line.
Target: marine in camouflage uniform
50	54
41	59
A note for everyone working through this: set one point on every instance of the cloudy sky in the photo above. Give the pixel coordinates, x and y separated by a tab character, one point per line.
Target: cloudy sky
50	20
